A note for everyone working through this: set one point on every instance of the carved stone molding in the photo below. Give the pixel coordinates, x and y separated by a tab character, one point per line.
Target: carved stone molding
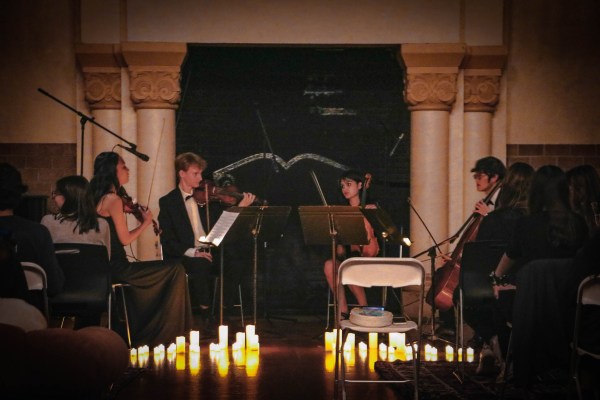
430	91
102	89
155	88
482	93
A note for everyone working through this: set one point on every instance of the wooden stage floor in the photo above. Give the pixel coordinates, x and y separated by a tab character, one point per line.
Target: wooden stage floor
291	364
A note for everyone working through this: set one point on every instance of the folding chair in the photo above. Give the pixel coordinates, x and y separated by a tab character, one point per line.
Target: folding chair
87	281
380	272
36	280
587	294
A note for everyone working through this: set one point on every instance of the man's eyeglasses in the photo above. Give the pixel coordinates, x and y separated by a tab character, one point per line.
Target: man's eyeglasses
478	175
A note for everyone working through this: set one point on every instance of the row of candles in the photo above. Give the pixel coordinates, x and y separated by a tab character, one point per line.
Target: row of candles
396	347
247	340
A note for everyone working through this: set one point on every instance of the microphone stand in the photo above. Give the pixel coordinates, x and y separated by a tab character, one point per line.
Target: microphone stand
83	119
432	253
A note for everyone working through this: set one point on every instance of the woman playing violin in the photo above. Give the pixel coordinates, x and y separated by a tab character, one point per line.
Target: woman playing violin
157	299
351	184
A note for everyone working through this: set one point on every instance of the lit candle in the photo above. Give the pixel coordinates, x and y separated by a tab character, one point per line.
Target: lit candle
449	353
362	347
372	340
328	341
180	340
434	353
351	341
460	354
223	336
470	354
253	343
194	338
235	346
240	337
250	331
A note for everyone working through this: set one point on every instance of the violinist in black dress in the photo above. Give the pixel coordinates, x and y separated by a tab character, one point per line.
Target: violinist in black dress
157	300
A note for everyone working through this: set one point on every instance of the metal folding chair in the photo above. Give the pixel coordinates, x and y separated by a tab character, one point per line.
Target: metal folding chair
379	272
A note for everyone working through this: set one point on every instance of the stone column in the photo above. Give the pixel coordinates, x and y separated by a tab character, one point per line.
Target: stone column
101	70
483	70
430	91
154	74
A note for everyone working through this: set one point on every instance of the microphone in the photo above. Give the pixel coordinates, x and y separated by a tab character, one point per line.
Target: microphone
136	153
396	144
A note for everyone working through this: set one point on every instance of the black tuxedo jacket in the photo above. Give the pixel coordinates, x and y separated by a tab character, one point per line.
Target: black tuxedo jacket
177	232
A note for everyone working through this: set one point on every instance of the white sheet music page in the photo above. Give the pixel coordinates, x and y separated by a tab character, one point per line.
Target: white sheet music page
220	229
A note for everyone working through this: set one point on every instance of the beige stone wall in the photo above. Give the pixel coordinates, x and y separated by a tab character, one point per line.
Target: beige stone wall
552	73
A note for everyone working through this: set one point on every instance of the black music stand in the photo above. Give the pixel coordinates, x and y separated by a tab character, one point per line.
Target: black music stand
384	227
260	222
333	225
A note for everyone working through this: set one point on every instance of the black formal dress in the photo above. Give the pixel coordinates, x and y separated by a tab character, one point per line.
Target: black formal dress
158	301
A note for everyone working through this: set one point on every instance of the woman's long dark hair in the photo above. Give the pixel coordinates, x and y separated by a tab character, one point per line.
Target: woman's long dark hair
79	204
515	186
549	193
584	185
105	175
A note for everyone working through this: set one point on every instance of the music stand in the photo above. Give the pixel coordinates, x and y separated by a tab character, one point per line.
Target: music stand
335	225
384	227
258	222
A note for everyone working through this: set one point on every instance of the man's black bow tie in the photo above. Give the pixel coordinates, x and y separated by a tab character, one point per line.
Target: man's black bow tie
188	197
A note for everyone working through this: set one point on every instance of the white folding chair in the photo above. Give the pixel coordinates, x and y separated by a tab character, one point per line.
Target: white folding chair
587	294
36	280
379	272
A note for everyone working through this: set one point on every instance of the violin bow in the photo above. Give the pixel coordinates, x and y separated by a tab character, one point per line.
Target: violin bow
316	181
155	162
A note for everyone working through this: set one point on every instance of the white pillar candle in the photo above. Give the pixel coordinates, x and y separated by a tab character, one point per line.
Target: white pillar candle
449	353
223	336
240	337
470	354
194	338
180	340
362	347
373	340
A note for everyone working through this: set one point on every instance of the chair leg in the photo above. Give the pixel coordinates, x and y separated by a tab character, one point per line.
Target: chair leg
329	305
114	291
241	304
506	368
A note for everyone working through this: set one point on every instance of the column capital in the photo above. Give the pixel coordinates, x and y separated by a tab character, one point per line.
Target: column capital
154	72
431	72
101	67
483	67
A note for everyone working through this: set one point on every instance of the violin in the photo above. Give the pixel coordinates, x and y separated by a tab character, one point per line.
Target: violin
228	195
130	206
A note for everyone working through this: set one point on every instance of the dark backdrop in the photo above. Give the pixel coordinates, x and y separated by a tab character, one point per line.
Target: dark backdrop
344	104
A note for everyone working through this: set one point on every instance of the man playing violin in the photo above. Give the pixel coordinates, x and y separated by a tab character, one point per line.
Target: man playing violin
183	223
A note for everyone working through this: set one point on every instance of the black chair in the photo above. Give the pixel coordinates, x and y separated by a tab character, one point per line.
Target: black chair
87	282
478	259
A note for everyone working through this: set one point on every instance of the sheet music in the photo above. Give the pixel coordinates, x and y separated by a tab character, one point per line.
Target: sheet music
220	229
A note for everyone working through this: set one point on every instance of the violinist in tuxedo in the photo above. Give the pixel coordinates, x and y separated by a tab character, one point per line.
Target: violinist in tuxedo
183	222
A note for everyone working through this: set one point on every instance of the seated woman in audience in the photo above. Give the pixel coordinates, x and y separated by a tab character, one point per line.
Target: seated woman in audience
584	186
550	231
76	220
32	240
157	300
489	321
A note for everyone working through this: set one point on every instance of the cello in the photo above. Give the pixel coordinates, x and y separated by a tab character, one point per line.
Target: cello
447	276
